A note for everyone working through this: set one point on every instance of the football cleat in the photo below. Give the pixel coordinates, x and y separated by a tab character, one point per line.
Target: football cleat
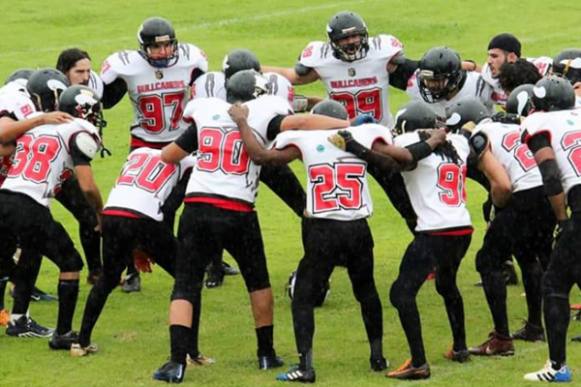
78	351
378	365
132	283
170	372
529	332
270	361
461	356
409	372
576	338
27	327
295	374
496	345
4	317
548	374
199	360
39	295
64	341
229	270
214	276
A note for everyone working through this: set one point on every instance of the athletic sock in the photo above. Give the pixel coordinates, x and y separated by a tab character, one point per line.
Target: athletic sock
265	338
180	339
68	291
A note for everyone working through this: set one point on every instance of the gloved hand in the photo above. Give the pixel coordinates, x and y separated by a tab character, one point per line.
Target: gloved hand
341	139
363	118
506	118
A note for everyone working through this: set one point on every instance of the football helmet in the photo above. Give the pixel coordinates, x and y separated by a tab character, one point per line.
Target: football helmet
330	108
82	102
466	110
440	74
238	60
320	294
519	100
343	25
415	115
21	76
153	32
553	93
245	85
45	87
568	64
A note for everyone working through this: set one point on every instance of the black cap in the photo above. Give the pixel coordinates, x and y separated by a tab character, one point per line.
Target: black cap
506	42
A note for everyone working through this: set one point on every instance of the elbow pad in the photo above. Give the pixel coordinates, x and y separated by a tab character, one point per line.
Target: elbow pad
478	143
419	150
302	70
551	177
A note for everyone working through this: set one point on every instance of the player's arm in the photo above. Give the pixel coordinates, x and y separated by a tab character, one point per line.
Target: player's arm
10	129
544	154
186	144
345	141
409	155
311	122
257	152
500	185
400	70
299	75
113	93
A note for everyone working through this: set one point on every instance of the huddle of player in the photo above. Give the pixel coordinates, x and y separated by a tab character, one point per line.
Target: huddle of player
207	138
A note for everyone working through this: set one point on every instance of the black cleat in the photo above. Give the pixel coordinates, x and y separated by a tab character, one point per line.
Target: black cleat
270	361
27	327
132	283
170	372
63	341
39	295
576	338
229	270
378	364
529	332
295	374
214	276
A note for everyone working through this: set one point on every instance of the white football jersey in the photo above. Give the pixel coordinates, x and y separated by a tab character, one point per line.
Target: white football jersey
337	185
498	96
14	87
146	182
96	83
564	128
578	101
437	187
42	160
515	157
158	95
223	168
474	87
362	86
16	105
213	84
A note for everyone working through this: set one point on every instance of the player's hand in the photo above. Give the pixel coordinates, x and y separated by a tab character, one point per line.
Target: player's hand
340	139
363	119
238	112
438	136
506	118
56	118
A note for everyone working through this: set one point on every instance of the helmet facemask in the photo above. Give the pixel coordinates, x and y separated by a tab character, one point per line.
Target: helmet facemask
434	87
350	52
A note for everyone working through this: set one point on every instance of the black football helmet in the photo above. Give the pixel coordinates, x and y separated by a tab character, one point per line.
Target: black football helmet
21	76
519	100
82	102
415	115
238	60
553	93
568	64
330	108
152	32
440	74
466	110
245	85
344	25
45	87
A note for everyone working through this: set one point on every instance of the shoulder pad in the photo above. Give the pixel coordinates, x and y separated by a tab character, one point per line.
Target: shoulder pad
315	53
302	70
87	144
479	143
210	84
192	55
385	46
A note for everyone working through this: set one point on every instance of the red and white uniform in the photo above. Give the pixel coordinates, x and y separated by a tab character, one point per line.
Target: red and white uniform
42	160
498	96
96	83
474	87
437	187
144	184
158	95
213	84
577	101
363	85
337	185
515	157
223	168
14	87
564	130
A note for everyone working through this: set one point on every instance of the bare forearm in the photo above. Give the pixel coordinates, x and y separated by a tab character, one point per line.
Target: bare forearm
255	150
559	207
10	130
312	122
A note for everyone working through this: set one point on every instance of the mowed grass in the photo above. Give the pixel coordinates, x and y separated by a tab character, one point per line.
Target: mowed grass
132	332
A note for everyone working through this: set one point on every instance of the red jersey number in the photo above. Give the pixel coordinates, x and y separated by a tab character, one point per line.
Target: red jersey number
147	172
33	157
365	101
572	142
222	150
511	143
153	111
336	186
451	182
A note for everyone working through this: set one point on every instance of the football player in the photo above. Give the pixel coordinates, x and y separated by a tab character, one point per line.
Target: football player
219	209
157	78
551	133
514	74
75	64
523	228
568	64
44	158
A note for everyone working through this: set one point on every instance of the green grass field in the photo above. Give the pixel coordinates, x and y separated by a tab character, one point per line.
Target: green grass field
132	332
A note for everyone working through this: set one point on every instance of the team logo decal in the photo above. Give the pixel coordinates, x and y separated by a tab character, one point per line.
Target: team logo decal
320	148
216	117
158	74
351	72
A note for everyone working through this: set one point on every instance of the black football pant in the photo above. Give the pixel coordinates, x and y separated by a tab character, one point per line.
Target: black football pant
523	229
120	236
444	252
328	243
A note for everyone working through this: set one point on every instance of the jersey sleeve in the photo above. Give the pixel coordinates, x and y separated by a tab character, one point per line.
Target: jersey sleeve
111	67
406	139
279	86
533	125
313	54
288	138
191	108
386	46
264	109
368	134
185	164
209	85
16	106
196	56
96	83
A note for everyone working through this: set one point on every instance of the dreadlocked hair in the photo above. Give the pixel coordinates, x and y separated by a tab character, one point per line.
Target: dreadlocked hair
446	150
